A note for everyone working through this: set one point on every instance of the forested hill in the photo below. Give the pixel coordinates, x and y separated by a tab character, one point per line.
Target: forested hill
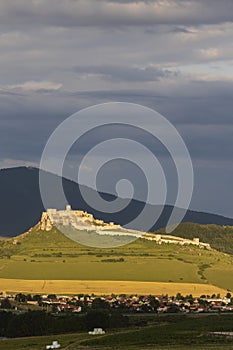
21	205
219	237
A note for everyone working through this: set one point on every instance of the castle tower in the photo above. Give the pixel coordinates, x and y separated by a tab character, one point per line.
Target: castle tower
196	241
45	222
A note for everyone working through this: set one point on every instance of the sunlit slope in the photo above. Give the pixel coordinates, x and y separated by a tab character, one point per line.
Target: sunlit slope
41	255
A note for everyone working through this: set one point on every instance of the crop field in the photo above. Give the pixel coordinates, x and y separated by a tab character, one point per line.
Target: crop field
106	287
47	261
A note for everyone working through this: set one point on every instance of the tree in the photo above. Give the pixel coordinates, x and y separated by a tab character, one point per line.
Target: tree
37	297
54	308
4	320
79	303
97	319
21	298
99	303
179	296
5	304
154	303
28	324
29	297
52	296
117	320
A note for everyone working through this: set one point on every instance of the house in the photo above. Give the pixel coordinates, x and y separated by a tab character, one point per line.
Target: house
54	345
97	331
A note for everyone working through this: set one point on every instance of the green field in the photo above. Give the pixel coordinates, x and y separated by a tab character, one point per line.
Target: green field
39	343
41	255
85	268
176	332
70	342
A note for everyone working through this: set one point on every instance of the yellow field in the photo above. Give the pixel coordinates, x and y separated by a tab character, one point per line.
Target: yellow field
106	287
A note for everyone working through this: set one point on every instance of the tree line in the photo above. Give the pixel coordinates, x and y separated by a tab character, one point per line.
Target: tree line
38	323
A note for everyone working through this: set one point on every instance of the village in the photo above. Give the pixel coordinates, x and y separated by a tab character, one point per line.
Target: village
126	304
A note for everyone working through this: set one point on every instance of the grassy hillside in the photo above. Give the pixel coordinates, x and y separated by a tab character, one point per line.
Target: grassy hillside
41	255
220	237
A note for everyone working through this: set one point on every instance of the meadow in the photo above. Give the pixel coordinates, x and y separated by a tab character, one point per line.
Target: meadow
39	343
69	342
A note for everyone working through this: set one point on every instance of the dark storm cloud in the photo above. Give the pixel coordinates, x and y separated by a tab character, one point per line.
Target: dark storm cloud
196	104
27	121
174	56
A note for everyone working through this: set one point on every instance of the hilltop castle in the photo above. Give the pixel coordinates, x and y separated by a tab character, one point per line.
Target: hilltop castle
81	220
76	218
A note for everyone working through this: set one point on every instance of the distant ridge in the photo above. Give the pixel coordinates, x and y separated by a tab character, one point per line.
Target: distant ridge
21	206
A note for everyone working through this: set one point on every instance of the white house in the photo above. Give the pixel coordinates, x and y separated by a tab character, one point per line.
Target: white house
97	331
54	345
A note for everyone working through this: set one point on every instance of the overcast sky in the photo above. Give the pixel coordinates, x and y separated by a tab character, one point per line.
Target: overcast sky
59	56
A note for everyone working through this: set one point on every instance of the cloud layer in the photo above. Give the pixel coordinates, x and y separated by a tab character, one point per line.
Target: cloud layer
75	13
174	56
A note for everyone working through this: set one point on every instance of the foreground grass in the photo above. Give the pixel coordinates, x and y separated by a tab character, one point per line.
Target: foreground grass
35	344
180	347
39	343
167	333
182	332
161	347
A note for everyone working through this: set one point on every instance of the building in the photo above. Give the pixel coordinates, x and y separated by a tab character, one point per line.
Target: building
54	345
97	331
